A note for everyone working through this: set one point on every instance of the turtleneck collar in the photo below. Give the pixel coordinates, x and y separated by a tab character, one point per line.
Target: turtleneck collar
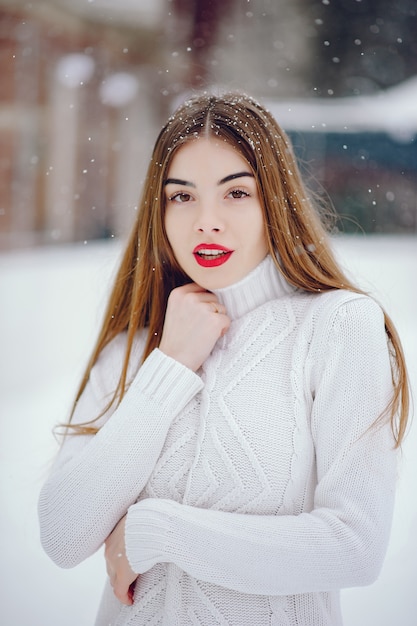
262	284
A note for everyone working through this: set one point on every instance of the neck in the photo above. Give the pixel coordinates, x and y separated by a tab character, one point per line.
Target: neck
262	284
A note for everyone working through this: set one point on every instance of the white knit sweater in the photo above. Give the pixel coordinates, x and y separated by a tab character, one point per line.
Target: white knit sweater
255	489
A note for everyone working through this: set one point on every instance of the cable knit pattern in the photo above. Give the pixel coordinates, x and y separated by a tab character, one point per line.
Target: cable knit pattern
255	488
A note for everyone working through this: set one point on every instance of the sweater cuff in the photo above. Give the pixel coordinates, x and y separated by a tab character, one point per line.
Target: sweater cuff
166	381
147	533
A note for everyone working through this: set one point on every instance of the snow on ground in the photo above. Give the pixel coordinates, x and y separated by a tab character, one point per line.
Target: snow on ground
51	304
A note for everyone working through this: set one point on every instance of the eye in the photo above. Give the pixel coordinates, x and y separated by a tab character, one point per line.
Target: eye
236	194
180	197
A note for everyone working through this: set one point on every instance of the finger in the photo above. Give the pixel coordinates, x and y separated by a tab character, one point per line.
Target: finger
225	327
131	592
195	288
122	591
217	307
109	570
225	324
202	296
191	287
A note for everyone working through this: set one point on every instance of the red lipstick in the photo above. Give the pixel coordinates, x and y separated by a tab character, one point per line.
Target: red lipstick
211	254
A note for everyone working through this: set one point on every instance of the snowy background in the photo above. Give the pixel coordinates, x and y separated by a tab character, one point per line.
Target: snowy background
51	304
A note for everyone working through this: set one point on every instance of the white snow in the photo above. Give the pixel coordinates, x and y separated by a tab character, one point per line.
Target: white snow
392	110
143	13
119	89
73	70
51	303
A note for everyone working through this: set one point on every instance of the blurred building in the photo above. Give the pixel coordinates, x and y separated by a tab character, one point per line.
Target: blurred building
86	84
361	153
76	121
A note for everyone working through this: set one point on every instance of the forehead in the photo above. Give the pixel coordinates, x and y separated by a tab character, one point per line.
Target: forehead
210	154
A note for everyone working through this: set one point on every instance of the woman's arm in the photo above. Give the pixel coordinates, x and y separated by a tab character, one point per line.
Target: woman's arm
342	541
96	478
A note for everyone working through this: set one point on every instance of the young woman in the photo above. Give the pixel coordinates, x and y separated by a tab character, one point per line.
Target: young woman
233	442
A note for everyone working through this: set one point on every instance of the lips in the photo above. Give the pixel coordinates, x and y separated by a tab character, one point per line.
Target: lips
211	254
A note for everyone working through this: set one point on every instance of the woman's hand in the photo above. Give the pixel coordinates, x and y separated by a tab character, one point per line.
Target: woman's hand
194	321
122	577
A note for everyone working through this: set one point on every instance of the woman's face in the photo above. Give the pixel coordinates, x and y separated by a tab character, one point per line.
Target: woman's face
214	220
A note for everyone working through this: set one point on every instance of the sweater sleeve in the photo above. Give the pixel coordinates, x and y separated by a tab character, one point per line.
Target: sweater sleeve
96	478
342	541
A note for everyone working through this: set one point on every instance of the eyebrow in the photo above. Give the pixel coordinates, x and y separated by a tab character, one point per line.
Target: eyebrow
178	181
226	179
233	176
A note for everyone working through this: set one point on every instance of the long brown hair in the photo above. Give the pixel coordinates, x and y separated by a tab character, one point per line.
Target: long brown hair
148	270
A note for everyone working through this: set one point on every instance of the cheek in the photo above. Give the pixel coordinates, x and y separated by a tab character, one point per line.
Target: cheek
259	230
173	231
168	225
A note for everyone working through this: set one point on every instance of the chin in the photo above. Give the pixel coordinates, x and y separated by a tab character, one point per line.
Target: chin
218	282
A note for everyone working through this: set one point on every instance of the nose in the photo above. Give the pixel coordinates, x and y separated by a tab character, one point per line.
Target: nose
208	220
